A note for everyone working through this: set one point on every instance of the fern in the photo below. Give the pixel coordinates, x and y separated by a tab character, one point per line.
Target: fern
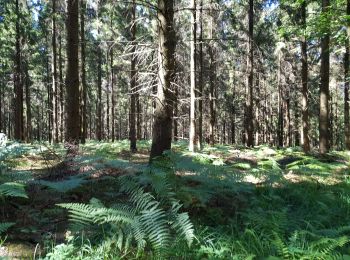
321	248
64	185
12	189
142	219
5	226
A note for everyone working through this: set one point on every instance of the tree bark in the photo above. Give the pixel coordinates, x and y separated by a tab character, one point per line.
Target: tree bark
28	107
249	102
54	99
162	125
346	85
212	82
18	84
176	113
72	79
61	87
132	114
304	82
112	97
200	78
192	142
83	72
99	94
107	97
324	88
280	105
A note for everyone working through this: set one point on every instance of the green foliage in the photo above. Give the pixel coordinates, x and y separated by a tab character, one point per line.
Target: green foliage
5	226
65	185
274	218
12	189
142	219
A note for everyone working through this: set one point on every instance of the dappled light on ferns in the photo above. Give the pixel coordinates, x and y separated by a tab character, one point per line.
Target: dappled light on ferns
142	219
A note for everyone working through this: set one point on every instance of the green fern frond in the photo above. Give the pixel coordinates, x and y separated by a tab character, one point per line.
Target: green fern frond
184	227
12	189
64	185
86	214
5	226
282	248
327	245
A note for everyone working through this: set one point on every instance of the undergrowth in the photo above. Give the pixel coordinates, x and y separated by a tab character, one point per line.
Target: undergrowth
223	203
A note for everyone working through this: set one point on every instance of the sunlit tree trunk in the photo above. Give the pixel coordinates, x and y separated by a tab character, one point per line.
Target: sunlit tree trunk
28	106
99	94
324	88
18	84
280	105
132	114
212	116
61	87
346	85
54	95
192	141
176	112
139	117
212	82
200	78
162	125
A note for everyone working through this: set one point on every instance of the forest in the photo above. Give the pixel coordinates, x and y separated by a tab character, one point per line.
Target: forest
163	129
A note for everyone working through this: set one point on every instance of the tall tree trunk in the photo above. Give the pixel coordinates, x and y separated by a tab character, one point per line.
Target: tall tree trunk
200	78
249	102
28	107
212	119
83	72
139	117
304	82
60	61
233	106
296	124
18	84
280	105
107	97
176	113
162	126
257	111
324	88
132	114
112	97
346	85
287	120
192	143
72	79
99	94
49	110
54	104
212	82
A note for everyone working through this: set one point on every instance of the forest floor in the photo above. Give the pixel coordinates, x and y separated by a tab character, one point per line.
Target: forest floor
244	203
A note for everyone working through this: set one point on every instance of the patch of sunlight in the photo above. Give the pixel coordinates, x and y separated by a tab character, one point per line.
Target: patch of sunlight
254	179
242	166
